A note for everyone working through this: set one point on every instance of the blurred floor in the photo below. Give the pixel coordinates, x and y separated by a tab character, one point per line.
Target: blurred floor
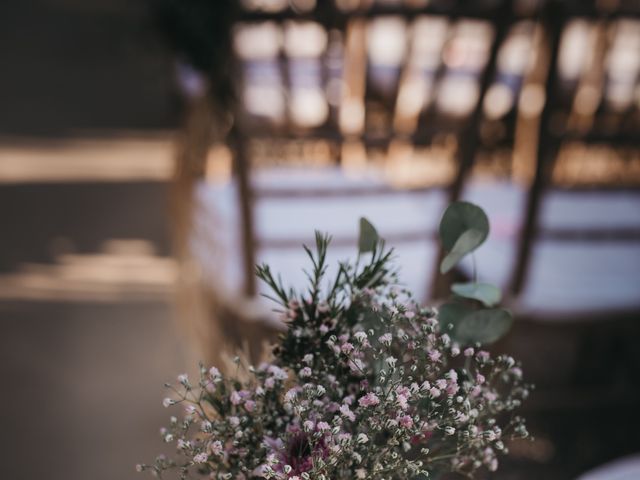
88	335
83	387
82	363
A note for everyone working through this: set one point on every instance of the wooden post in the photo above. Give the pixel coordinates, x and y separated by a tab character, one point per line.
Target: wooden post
469	137
547	150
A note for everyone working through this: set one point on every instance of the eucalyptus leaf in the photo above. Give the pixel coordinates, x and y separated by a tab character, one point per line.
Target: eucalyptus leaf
452	313
368	236
486	293
460	217
484	326
466	243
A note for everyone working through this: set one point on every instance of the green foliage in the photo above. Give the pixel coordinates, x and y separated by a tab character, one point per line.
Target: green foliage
368	238
463	228
469	325
470	318
371	271
460	217
486	293
451	313
483	326
465	244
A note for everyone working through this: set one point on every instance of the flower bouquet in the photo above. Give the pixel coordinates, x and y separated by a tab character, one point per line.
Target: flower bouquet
365	383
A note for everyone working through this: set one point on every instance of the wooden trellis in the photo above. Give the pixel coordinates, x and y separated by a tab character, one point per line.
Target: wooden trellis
540	121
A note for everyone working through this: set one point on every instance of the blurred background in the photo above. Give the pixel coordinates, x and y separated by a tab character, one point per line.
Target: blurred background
152	152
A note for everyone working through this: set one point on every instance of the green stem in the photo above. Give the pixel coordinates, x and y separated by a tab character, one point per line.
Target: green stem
474	269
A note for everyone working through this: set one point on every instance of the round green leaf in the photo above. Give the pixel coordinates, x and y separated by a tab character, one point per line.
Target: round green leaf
452	313
460	217
466	243
483	326
368	236
486	293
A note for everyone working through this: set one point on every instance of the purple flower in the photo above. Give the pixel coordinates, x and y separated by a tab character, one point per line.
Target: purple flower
347	348
369	400
406	421
434	355
299	453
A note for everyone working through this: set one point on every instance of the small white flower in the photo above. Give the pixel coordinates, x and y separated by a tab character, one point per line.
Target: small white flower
291	395
360	336
323	426
201	458
167	402
278	373
362	438
216	447
489	435
391	361
346	411
235	398
347	348
206	426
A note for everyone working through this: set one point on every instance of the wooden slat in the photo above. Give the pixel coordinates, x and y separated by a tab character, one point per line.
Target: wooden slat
547	149
469	137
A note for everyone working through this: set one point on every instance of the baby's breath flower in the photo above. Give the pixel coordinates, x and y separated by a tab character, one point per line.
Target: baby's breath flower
346	412
216	447
201	458
330	405
360	337
323	426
